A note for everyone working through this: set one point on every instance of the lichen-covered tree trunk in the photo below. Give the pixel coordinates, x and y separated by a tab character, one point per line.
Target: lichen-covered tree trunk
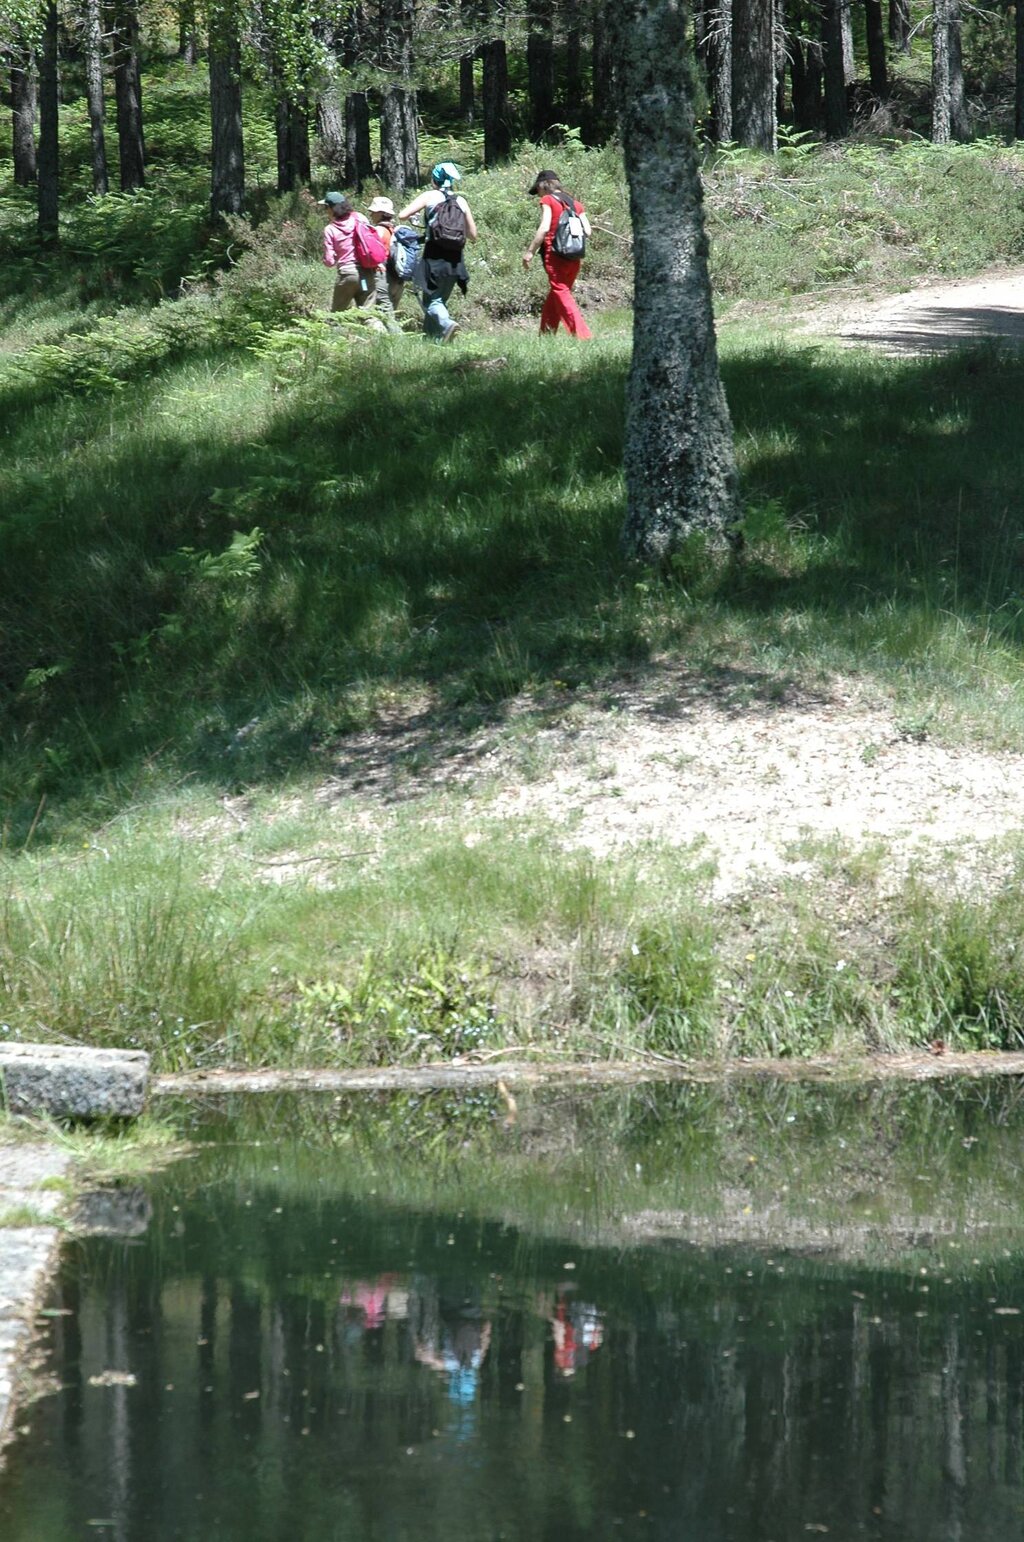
23	120
358	155
679	458
753	74
49	151
949	115
330	128
399	139
92	49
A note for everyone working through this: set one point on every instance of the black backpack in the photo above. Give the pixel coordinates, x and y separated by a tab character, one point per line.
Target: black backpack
569	239
446	226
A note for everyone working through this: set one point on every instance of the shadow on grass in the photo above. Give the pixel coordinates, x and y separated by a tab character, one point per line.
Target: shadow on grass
446	527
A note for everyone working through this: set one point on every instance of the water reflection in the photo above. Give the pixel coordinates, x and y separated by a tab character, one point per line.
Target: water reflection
313	1342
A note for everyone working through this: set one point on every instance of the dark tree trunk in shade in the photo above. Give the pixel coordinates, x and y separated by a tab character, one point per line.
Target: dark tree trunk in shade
713	36
753	74
49	153
291	123
23	124
540	69
330	130
358	158
399	139
603	75
92	47
227	191
497	125
874	24
468	11
573	64
780	60
679	459
1018	109
899	25
131	149
806	75
836	113
188	32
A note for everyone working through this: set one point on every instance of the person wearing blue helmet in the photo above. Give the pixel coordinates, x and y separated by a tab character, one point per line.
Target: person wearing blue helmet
449	224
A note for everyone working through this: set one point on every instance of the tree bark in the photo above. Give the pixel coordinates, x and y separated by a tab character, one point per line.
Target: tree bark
1018	105
23	126
358	159
330	129
846	33
679	459
49	152
131	147
573	64
714	49
227	181
602	75
540	69
899	25
836	115
467	84
291	122
806	75
497	126
188	35
399	139
753	74
949	115
93	51
877	65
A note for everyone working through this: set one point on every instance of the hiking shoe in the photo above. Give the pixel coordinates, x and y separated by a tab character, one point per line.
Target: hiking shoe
449	331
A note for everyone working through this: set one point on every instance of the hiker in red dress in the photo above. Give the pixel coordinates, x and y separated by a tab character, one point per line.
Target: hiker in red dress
559	306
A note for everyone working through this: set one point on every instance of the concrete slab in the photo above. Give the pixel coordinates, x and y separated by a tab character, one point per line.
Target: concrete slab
73	1083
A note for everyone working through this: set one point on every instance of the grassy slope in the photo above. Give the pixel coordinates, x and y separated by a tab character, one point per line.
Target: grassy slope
238	536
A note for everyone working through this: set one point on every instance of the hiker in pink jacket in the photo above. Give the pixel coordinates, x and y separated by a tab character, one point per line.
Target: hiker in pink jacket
352	285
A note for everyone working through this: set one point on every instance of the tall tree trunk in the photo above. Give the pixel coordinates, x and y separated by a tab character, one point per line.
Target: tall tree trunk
573	64
942	72
291	122
188	34
399	139
468	11
836	115
227	180
714	49
959	123
806	74
753	74
846	32
899	25
358	159
92	42
23	126
49	152
679	459
780	60
877	66
497	125
602	75
128	95
330	129
540	69
1018	112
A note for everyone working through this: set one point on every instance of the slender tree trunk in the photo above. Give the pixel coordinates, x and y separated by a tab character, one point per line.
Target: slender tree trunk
780	60
714	49
330	129
573	64
836	116
942	83
899	25
49	153
846	32
497	125
358	159
602	74
188	34
1018	114
540	69
23	126
128	95
467	84
753	74
679	460
959	123
877	66
399	139
227	181
806	75
93	51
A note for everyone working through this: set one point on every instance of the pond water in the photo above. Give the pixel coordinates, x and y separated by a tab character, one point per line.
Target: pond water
707	1315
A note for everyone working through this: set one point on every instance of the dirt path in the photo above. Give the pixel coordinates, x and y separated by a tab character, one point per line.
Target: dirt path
932	318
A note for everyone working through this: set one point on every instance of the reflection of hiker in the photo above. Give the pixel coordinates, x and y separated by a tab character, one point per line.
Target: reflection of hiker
387	288
374	1300
354	273
577	1331
458	1352
449	224
562	270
